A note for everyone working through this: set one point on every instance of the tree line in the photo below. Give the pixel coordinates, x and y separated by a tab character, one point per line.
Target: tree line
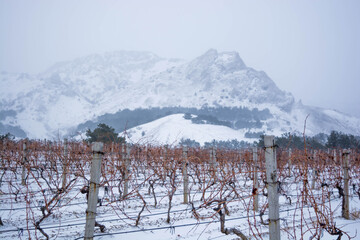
320	141
105	133
287	140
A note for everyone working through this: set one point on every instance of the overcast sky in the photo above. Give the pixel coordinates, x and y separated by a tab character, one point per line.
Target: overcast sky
309	48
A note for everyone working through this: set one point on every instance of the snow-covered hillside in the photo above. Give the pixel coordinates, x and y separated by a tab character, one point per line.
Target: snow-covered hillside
172	129
55	102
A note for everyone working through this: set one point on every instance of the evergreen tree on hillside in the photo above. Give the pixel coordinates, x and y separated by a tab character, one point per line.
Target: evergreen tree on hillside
103	133
288	140
341	140
333	140
7	136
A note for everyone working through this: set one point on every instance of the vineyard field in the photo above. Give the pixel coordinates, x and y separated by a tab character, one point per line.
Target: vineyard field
165	192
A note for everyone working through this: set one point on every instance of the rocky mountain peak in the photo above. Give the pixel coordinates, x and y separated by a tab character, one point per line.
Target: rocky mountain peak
223	60
231	61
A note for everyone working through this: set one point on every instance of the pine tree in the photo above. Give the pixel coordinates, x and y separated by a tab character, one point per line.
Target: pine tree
103	133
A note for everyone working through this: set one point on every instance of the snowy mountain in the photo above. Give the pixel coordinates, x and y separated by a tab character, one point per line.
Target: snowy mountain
113	85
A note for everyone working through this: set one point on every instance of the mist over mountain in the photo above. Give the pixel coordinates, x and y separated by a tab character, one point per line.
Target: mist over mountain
129	88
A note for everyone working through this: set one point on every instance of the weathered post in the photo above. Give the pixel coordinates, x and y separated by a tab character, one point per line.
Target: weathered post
123	166
165	156
126	151
314	172
272	185
185	175
256	183
95	173
3	151
213	162
51	159
346	203
290	161
165	153
65	164
24	160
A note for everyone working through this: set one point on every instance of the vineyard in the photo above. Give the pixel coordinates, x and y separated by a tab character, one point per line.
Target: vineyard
177	192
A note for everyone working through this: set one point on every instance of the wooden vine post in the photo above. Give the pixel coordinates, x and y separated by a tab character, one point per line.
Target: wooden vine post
95	173
165	155
290	161
185	175
52	161
3	150
126	162
65	164
314	172
346	203
256	182
24	161
272	185
213	162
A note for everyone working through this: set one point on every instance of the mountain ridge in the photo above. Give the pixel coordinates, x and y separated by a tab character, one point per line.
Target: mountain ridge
74	92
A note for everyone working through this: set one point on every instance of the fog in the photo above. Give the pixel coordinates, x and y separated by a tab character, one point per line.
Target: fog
309	48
